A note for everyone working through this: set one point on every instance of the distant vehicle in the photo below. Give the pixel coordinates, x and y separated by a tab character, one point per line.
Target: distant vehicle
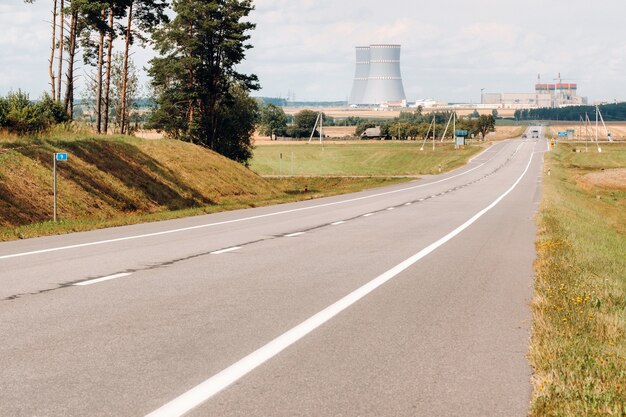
524	136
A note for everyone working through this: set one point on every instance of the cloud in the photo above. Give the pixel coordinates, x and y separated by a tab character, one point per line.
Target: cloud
450	52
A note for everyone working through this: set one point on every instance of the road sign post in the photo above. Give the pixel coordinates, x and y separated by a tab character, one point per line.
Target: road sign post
58	156
459	138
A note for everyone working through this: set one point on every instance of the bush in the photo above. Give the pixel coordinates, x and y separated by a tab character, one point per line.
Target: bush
52	111
363	126
298	132
4	111
21	116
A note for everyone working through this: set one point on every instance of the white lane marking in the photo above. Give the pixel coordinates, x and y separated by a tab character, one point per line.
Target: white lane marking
337	223
391	208
368	214
407	204
294	234
219	252
97	280
484	152
422	199
202	392
203	226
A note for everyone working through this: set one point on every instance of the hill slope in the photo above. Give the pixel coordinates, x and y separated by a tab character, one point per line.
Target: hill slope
106	179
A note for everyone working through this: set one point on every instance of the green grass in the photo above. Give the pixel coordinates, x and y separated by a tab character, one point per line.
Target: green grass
113	181
380	158
578	348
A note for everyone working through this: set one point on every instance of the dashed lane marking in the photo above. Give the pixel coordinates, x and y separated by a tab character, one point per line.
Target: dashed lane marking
102	279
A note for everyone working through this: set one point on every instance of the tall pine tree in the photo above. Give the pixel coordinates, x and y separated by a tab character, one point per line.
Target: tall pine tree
143	16
201	95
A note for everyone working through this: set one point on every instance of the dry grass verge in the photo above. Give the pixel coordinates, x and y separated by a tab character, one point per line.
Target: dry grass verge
578	347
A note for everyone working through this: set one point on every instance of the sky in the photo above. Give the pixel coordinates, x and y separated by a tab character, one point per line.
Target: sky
451	49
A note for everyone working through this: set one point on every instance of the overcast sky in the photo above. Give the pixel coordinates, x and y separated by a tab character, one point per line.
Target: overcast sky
450	49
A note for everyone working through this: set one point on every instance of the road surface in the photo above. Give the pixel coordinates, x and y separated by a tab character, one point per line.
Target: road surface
409	300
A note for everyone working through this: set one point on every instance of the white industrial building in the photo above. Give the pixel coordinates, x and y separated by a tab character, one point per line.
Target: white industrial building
545	95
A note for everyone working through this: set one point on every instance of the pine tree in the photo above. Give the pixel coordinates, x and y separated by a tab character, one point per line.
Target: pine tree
196	78
143	16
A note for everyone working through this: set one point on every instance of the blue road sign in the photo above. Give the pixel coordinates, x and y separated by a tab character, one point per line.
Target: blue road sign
61	156
562	133
460	132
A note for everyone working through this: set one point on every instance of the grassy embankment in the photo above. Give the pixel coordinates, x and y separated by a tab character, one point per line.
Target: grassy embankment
578	347
121	180
372	158
112	181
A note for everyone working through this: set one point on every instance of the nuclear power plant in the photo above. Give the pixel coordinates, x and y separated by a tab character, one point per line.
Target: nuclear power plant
377	78
546	95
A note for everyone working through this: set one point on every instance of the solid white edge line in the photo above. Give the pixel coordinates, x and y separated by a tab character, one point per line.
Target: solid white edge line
337	223
203	226
294	234
368	214
97	280
219	252
202	392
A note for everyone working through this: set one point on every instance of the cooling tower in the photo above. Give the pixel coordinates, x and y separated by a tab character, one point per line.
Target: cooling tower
384	79
360	75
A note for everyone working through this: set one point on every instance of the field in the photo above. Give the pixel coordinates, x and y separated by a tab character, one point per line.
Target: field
506	132
618	130
578	347
358	158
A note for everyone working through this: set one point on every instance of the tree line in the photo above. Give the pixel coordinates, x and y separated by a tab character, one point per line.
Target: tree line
91	27
610	112
416	124
274	122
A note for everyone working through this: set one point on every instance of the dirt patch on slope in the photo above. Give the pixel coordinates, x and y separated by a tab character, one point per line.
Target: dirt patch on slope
608	178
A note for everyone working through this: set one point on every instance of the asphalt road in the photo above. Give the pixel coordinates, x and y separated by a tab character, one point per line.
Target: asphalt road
410	300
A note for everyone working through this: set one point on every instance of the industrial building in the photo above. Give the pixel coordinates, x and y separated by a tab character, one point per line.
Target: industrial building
377	79
545	95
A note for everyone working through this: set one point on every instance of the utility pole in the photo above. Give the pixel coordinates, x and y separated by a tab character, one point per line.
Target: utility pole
434	128
454	130
597	143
